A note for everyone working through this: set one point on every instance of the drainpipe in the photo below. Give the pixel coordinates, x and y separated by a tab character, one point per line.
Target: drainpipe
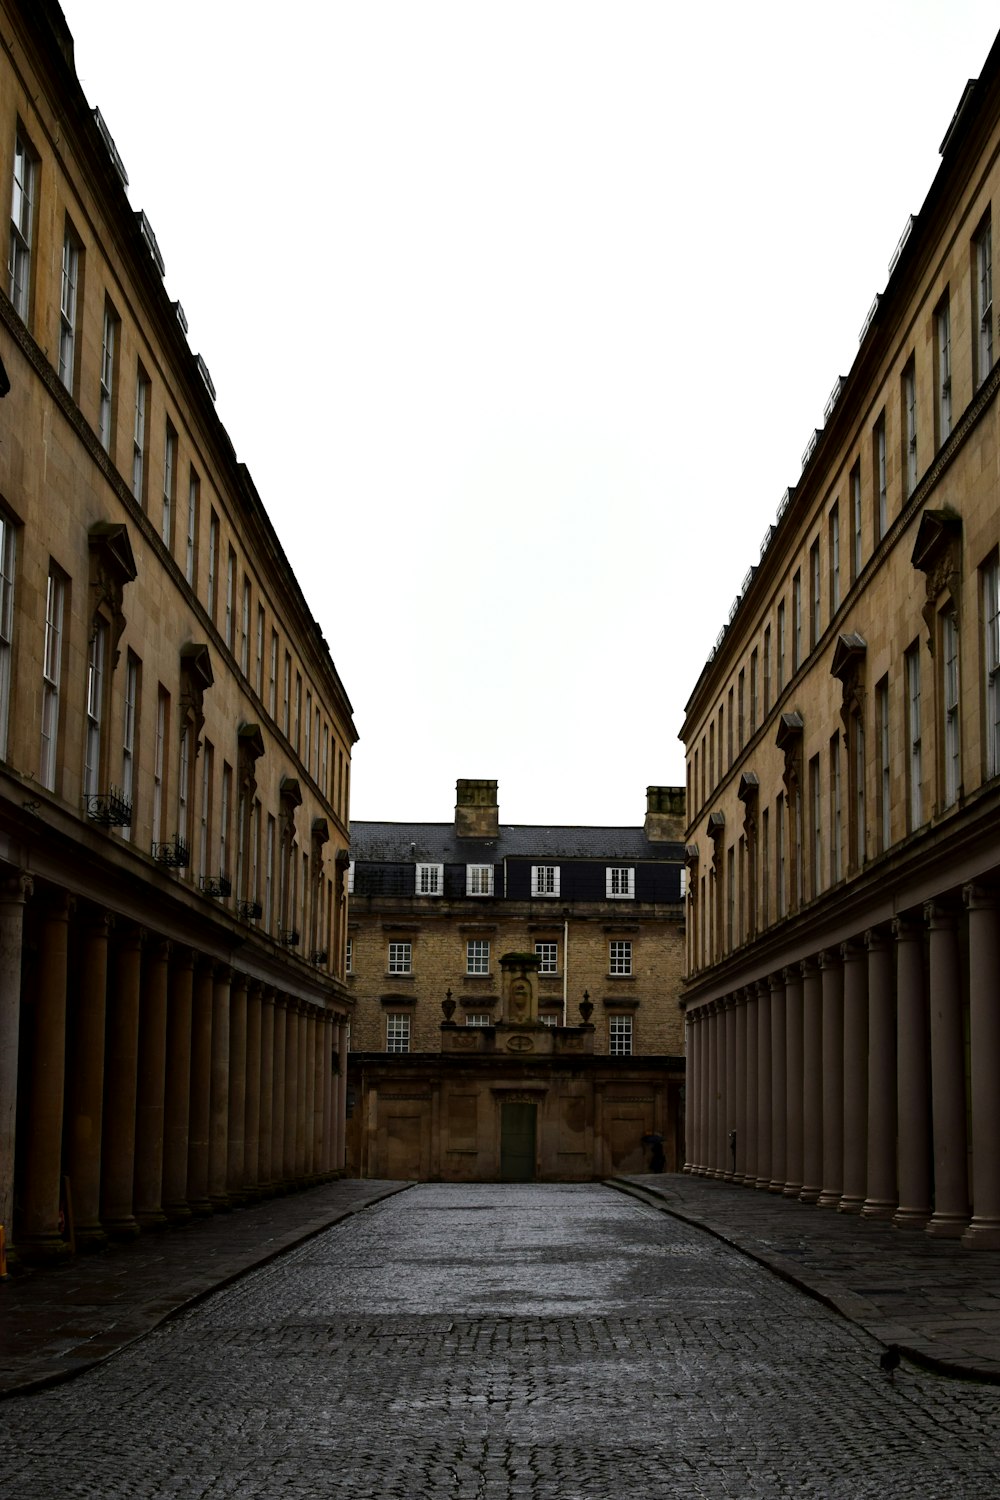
565	965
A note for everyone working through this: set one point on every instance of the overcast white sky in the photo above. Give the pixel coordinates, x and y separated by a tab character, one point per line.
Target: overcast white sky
521	315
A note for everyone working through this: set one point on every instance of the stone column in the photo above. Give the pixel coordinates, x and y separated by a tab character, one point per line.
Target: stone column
218	1125
705	1103
779	1086
177	1096
881	1199
199	1127
983	1232
712	1158
309	1144
265	1176
251	1123
151	1086
120	1084
730	1100
855	1078
951	1188
291	1087
741	1086
321	1073
750	1001
86	1081
13	894
913	1129
278	1177
690	1094
236	1121
832	984
764	1103
794	1096
340	1100
40	1235
301	1099
812	1082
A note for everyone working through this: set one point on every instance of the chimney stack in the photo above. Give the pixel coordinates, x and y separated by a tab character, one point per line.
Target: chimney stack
665	814
477	812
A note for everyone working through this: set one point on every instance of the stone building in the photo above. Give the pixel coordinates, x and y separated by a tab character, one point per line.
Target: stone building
174	738
597	915
843	768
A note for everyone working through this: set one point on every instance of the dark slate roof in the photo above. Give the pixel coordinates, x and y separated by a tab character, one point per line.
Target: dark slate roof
436	843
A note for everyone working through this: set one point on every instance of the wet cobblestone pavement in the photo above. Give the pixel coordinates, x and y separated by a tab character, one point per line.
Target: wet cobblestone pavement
504	1341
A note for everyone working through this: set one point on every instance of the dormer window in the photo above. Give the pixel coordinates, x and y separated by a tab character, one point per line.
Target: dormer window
620	882
429	880
545	880
479	880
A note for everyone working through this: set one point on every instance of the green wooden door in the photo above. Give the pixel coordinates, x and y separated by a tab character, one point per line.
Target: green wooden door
517	1142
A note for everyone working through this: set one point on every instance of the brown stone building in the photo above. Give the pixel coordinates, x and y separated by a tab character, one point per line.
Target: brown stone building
434	910
174	738
843	763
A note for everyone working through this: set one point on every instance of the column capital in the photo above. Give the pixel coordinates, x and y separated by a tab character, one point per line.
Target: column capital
939	914
16	889
978	897
907	928
776	981
159	948
809	966
829	958
763	989
239	981
222	973
876	938
852	951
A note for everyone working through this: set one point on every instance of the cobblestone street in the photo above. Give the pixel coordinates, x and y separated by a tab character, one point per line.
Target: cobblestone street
493	1341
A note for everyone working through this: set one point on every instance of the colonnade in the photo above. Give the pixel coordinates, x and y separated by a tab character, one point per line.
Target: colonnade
155	1083
841	1079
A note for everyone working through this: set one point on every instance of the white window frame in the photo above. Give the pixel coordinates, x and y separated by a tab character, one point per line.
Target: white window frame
397	1031
69	283
428	880
884	764
105	407
94	709
950	707
245	602
856	521
52	677
881	480
991	663
139	435
914	737
620	956
169	484
910	412
130	712
349	956
619	882
834	558
943	330
159	749
620	1035
547	953
545	880
400	957
478	1018
477	956
983	332
479	880
230	597
22	213
797	621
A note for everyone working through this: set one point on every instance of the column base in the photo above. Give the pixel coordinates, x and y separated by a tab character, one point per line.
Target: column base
810	1195
792	1190
90	1237
201	1208
42	1249
911	1218
762	1184
982	1234
221	1203
125	1228
947	1226
151	1218
850	1204
774	1186
828	1198
178	1213
878	1208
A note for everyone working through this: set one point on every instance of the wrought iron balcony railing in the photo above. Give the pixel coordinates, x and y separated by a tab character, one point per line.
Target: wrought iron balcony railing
289	937
112	809
218	886
250	911
176	855
319	957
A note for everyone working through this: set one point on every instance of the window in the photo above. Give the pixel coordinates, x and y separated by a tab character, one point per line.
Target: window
213	563
914	768
400	958
620	1036
983	311
139	436
949	666
942	341
619	882
349	957
259	677
130	732
479	880
190	540
910	432
767	671
860	841
619	957
69	284
429	880
548	957
545	880
741	689
814	602
272	676
307	749
781	645
779	854
105	405
477	956
765	860
159	742
479	1018
22	214
816	804
856	521
753	691
269	877
729	732
286	697
228	626
205	810
8	553
835	557
991	663
224	813
884	764
52	676
797	621
93	735
550	1018
397	1032
245	628
184	783
881	492
298	712
169	485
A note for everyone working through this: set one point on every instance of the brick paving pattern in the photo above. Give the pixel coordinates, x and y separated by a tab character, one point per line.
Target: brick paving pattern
504	1341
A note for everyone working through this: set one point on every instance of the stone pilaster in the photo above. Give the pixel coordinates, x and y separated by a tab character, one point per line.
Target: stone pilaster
177	1089
40	1237
236	1126
764	1100
882	1198
794	1092
779	1086
218	1126
201	1089
832	986
812	1082
951	1188
86	1081
913	1127
151	1086
855	1078
251	1122
120	1085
